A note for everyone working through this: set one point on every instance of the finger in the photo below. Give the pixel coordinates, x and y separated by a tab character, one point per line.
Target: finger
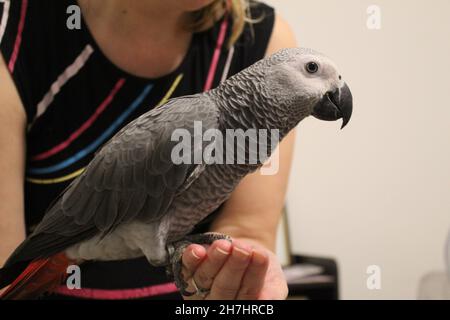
227	283
254	277
192	257
216	256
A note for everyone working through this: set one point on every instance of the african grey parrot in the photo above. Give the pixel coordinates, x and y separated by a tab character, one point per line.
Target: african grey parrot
134	200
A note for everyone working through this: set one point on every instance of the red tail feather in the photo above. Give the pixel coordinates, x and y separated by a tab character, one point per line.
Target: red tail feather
39	277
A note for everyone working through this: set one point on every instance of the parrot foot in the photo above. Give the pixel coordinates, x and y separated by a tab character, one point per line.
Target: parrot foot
175	268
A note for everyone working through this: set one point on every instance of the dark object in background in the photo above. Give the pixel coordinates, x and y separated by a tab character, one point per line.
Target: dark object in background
323	286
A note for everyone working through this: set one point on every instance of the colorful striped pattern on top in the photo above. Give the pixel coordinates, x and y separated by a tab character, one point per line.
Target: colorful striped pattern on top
70	72
100	140
77	133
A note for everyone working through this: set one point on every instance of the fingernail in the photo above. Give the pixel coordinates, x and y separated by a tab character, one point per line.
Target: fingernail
259	259
222	251
195	255
244	252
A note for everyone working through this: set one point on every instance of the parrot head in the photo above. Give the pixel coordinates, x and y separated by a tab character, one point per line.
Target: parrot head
300	77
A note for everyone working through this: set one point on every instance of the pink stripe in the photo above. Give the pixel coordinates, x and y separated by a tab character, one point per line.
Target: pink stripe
62	80
102	294
84	127
215	60
15	54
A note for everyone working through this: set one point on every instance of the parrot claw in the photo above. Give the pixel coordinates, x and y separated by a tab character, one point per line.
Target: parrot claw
175	268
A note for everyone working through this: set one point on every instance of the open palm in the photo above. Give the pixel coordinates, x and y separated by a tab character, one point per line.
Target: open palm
241	270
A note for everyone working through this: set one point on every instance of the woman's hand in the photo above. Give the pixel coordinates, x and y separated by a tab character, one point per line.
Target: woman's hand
241	270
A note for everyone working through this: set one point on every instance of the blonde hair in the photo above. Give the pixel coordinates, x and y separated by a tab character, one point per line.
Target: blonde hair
205	18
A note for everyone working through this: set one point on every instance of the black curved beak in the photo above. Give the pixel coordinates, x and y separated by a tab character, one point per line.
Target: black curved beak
335	105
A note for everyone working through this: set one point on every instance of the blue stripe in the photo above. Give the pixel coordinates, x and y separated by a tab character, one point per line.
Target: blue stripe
99	141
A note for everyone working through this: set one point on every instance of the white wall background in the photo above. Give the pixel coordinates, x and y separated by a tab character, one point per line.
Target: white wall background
378	192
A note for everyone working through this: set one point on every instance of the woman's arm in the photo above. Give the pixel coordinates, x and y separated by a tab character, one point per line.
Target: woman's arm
248	268
12	155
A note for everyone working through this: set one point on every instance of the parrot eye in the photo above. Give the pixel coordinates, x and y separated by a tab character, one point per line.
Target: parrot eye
312	67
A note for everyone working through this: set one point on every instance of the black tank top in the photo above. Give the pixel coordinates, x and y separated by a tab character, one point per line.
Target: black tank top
76	99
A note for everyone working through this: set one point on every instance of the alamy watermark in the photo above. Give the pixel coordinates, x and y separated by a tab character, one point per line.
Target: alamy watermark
73	281
373	281
235	146
373	17
373	22
73	22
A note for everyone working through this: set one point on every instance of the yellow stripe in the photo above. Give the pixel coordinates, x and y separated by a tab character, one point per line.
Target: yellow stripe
171	90
77	173
57	180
